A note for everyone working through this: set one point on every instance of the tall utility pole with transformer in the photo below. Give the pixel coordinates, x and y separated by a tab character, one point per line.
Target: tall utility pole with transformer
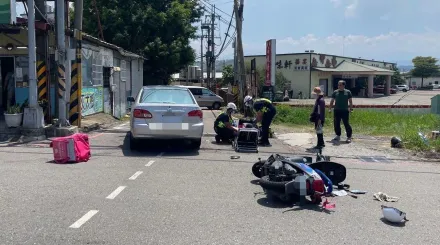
241	70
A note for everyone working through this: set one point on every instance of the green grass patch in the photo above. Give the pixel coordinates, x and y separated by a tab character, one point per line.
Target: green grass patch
374	123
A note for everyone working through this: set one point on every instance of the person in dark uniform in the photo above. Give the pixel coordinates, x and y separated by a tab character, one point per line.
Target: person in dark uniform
265	111
223	125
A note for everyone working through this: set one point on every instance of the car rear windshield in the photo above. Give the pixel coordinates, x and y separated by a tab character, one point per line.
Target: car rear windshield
167	96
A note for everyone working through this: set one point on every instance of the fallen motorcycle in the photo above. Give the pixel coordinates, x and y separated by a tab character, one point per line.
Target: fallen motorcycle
290	178
257	167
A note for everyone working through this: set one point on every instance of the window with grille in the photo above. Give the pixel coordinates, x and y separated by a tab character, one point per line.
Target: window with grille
124	76
97	69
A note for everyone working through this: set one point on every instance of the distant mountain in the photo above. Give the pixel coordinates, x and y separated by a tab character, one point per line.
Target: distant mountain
219	64
405	68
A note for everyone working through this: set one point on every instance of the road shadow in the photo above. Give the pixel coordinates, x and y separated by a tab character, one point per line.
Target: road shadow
220	143
154	147
272	202
255	182
337	143
294	205
309	206
402	224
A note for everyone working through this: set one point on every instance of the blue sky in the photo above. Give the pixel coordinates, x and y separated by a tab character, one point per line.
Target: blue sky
390	30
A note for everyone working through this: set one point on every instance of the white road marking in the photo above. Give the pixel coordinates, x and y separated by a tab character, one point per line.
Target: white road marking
149	163
160	154
84	219
116	192
135	175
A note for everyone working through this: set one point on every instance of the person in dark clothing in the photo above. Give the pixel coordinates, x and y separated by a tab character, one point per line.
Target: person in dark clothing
342	99
223	125
318	116
265	111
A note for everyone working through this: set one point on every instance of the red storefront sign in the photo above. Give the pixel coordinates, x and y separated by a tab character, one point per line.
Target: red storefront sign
268	63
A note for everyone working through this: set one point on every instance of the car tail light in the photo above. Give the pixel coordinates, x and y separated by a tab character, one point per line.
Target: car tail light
141	113
196	113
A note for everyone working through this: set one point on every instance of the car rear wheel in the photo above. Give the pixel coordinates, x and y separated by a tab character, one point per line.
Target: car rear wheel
133	143
216	106
195	144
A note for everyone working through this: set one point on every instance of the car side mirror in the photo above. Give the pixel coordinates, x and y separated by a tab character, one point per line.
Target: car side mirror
130	99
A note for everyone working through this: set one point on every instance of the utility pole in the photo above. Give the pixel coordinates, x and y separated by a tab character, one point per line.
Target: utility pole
68	62
32	55
61	61
33	116
201	54
75	89
238	9
234	46
41	38
213	45
208	53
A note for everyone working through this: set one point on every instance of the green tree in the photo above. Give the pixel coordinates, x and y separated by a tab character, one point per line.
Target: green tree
228	75
158	30
424	67
397	78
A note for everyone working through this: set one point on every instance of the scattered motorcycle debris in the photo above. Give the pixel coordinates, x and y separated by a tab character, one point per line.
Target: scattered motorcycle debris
383	197
358	192
393	215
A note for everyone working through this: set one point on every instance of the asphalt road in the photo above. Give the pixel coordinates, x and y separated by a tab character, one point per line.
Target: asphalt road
169	196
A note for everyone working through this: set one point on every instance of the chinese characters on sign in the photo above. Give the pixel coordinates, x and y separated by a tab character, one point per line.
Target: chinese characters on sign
298	65
268	63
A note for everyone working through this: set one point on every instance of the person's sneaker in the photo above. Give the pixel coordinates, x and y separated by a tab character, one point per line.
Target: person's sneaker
337	138
348	140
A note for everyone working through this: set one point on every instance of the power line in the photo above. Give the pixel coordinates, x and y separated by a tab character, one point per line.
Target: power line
205	7
216	8
227	44
227	32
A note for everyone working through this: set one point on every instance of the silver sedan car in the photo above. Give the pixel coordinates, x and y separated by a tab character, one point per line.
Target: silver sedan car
166	113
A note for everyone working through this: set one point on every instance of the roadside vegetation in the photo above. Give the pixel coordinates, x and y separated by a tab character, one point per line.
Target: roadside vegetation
374	123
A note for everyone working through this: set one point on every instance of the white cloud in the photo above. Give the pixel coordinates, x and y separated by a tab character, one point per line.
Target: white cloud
390	46
350	6
351	9
336	3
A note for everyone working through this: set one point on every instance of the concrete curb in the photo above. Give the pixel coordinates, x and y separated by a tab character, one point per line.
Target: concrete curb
92	127
363	106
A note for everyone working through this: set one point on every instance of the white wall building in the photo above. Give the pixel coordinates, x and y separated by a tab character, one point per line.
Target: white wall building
308	70
416	82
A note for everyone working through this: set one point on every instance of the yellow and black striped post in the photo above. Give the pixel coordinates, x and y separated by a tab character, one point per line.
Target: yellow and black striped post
61	81
75	90
73	110
42	85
